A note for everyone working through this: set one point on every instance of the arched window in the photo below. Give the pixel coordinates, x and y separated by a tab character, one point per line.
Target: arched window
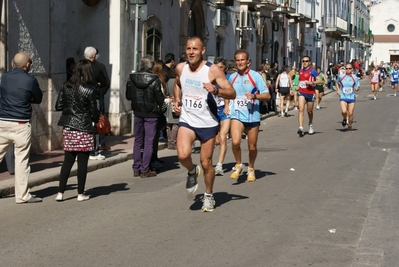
154	38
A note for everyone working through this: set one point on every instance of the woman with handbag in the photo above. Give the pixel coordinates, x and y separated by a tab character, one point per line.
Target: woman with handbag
77	101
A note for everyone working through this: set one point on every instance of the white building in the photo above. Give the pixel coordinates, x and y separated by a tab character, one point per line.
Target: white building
384	22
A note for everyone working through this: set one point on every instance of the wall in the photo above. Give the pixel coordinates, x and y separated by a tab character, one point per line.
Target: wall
42	37
378	24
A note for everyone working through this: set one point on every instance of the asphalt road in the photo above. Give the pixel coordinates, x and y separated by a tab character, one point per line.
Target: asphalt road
328	199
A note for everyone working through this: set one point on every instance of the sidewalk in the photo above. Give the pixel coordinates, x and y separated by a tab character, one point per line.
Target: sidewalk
46	167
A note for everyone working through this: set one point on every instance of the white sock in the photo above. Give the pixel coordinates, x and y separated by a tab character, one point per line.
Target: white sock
193	170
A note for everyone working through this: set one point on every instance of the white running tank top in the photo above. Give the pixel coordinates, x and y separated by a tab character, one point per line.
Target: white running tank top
284	81
375	76
195	107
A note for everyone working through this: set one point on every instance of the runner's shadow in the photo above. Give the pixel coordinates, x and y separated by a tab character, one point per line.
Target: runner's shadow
220	199
259	175
345	130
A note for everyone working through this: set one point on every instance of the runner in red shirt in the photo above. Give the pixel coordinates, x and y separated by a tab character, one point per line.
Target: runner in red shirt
308	77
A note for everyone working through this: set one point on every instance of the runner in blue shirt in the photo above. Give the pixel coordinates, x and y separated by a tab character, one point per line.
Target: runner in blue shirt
250	90
395	79
347	85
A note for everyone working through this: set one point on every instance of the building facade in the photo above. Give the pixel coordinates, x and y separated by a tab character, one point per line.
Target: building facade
385	26
273	31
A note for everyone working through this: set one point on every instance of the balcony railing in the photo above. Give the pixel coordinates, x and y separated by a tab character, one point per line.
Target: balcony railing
334	23
286	6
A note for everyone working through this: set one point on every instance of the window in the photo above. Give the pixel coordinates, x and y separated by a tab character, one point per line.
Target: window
391	27
154	38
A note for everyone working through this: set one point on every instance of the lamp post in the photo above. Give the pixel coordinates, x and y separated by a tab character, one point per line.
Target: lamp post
136	33
137	4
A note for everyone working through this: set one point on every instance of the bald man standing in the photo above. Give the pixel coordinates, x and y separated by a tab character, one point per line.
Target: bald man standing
18	91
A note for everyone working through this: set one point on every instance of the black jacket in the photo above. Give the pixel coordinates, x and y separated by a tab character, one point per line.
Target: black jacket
78	106
100	81
144	91
18	91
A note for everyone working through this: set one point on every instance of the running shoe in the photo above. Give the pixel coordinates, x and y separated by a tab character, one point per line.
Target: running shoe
251	175
219	169
311	130
208	203
344	123
300	131
286	112
282	115
317	107
375	98
192	185
237	170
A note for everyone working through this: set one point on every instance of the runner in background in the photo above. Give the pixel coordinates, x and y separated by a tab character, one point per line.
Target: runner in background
319	88
395	79
347	85
374	80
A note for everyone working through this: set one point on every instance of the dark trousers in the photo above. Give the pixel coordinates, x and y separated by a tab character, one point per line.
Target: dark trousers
144	133
69	160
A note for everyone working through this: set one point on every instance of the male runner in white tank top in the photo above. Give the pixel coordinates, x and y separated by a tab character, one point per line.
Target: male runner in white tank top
195	95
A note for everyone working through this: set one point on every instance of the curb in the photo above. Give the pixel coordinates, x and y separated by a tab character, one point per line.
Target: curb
7	187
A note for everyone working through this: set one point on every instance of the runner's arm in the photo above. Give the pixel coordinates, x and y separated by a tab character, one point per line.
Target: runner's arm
177	89
217	75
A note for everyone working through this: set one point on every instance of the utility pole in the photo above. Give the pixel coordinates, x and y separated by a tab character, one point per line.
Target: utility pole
138	4
136	33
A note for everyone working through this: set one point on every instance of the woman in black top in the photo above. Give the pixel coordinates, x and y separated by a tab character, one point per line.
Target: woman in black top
77	101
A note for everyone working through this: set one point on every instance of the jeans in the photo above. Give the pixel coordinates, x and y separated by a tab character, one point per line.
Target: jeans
144	133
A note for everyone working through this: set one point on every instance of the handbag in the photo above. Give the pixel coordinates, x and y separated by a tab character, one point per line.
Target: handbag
103	126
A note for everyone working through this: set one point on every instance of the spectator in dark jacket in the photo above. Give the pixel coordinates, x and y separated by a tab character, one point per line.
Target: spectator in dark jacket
77	101
19	91
144	90
169	66
102	83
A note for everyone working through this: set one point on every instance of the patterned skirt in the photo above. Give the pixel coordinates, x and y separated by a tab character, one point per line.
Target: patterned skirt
75	140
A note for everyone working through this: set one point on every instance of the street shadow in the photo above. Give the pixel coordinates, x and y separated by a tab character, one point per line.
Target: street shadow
315	132
220	199
36	167
259	175
52	190
106	190
170	163
345	130
111	153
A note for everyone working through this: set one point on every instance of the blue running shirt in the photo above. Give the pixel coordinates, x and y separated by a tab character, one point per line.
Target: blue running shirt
395	76
243	109
347	85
